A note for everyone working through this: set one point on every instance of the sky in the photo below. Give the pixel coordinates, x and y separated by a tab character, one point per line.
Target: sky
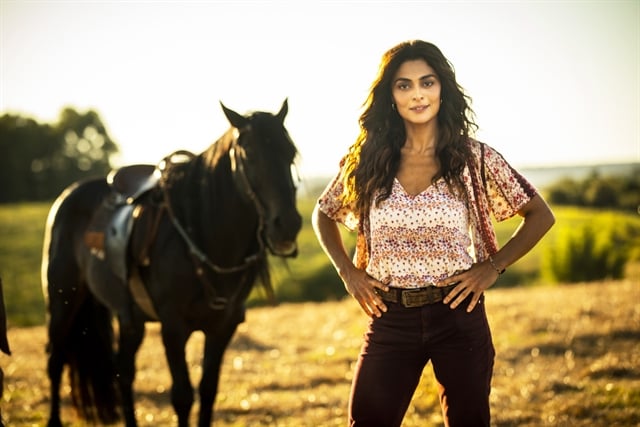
552	82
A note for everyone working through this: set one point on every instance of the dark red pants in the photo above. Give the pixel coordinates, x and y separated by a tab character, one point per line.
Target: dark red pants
397	347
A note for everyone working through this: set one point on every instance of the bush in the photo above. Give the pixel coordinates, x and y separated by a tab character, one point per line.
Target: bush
582	255
602	193
566	191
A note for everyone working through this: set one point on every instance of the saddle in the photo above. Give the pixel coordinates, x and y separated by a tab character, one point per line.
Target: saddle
132	181
110	229
111	225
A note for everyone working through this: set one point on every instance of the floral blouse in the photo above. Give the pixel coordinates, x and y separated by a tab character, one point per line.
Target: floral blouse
443	246
419	240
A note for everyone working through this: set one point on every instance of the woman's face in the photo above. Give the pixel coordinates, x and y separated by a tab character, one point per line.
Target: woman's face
416	92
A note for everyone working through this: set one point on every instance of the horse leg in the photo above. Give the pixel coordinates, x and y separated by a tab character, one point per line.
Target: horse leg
61	317
174	338
55	366
129	342
62	307
215	346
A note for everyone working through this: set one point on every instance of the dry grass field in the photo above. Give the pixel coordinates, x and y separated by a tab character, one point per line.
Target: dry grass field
566	356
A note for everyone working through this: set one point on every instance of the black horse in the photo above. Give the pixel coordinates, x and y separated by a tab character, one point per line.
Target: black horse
197	240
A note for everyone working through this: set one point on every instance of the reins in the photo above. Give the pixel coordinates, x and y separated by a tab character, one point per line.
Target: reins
199	257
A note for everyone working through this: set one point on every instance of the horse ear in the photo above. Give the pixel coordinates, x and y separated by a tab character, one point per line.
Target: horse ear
236	120
283	110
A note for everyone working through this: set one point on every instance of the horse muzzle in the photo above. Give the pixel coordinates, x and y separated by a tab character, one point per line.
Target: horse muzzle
281	232
284	249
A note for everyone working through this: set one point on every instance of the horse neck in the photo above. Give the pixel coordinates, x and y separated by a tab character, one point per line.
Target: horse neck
217	217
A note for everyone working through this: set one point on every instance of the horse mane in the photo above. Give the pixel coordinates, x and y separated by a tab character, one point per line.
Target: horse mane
211	156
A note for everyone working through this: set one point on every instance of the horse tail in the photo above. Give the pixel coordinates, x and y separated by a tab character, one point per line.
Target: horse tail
80	327
92	374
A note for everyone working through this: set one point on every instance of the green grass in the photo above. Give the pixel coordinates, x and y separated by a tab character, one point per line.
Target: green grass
309	277
21	235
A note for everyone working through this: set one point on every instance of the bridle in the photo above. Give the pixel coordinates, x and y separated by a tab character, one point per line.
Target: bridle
200	259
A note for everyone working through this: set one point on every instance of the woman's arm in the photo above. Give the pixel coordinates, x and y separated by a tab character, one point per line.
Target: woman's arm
537	219
357	282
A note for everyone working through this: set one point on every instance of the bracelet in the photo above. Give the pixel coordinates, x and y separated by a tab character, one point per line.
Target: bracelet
495	267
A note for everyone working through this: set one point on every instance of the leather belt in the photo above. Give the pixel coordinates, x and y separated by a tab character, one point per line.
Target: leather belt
416	297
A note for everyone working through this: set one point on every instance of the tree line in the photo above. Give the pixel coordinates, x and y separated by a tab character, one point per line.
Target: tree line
39	160
618	192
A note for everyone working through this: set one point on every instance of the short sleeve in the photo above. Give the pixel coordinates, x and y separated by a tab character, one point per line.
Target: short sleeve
507	190
331	204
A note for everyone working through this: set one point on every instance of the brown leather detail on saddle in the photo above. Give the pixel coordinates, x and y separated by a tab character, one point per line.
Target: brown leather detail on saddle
94	240
129	179
94	236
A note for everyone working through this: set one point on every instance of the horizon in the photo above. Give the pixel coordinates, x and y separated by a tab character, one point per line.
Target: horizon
549	167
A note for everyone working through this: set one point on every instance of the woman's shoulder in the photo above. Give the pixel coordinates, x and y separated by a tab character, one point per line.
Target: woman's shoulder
477	144
475	147
480	149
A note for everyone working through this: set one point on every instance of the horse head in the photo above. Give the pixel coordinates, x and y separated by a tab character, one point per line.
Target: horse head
263	163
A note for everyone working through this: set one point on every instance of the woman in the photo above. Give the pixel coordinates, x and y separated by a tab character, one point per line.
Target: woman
419	191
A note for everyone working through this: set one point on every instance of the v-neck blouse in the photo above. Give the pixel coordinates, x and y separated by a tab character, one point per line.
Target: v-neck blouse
419	240
493	188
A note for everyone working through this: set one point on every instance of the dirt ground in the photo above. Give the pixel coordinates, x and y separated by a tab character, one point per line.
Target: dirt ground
566	356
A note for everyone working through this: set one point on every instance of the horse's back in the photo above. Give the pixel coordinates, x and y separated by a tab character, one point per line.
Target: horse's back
80	197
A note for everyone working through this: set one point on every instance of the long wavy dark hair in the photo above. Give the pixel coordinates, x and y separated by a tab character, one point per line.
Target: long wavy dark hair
374	159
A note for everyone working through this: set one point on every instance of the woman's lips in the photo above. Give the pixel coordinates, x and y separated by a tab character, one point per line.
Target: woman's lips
419	108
